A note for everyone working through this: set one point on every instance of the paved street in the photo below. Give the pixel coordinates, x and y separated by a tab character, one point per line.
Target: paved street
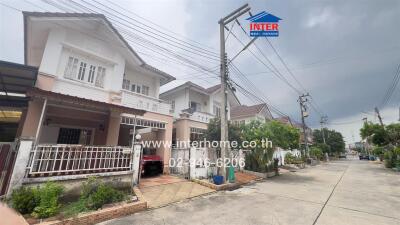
340	192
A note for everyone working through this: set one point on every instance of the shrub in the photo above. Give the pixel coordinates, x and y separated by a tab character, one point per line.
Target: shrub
316	153
291	159
104	194
392	158
48	197
24	200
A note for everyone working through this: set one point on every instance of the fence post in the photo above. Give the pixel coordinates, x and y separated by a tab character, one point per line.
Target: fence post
192	163
240	156
137	151
21	163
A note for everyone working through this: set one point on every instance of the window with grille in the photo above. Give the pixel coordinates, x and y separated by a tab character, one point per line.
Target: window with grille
68	136
133	87
82	70
138	89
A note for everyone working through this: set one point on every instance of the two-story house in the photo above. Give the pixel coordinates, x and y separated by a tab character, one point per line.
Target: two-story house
244	114
92	90
193	106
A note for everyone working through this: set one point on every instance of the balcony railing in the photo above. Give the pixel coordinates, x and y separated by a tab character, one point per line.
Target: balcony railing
51	160
132	99
201	117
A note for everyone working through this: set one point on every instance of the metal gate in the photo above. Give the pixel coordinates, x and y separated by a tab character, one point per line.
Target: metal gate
7	160
179	162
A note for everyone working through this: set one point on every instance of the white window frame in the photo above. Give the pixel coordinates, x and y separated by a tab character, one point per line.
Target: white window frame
91	75
145	90
82	71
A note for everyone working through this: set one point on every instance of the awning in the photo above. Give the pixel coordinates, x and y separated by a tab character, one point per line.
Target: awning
15	80
81	102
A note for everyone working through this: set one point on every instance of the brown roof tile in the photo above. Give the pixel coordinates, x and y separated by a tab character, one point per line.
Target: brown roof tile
244	110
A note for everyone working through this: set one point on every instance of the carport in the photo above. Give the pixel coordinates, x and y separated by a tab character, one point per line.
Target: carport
15	80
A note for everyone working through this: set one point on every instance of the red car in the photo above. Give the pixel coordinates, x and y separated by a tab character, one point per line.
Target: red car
152	165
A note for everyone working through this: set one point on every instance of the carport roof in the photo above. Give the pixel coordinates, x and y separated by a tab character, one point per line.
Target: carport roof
15	80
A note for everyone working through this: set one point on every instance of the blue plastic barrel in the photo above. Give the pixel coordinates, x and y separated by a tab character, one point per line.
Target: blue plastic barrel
218	180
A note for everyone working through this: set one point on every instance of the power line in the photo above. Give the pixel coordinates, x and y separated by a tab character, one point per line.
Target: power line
392	87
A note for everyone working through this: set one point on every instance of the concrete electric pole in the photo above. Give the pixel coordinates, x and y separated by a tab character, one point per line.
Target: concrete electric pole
379	116
224	82
322	122
303	109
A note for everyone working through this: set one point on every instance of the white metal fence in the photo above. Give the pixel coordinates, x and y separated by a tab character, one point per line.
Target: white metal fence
50	160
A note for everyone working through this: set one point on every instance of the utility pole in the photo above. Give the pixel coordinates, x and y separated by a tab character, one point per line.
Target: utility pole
303	109
323	120
379	116
224	82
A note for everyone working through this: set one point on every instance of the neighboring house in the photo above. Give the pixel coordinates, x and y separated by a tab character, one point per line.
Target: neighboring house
287	120
92	90
244	114
193	106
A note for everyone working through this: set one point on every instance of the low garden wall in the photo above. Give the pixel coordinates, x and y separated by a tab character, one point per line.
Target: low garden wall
73	183
123	209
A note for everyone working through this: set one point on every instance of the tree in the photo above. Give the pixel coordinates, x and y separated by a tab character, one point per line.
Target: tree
393	133
334	141
213	132
374	133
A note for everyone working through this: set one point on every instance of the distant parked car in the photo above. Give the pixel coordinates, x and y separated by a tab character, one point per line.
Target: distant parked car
372	158
342	156
363	156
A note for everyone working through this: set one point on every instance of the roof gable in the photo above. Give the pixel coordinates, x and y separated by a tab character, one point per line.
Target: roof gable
90	16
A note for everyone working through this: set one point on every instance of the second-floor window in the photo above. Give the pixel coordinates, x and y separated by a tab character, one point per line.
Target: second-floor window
83	74
92	70
82	70
126	84
173	106
70	69
195	107
217	111
145	90
101	73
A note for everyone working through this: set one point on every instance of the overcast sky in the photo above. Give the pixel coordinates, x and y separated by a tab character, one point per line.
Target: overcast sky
345	53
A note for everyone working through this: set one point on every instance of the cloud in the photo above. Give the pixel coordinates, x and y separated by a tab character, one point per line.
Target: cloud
325	17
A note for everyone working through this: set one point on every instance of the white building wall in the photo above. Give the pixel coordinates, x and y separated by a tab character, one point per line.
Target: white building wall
52	52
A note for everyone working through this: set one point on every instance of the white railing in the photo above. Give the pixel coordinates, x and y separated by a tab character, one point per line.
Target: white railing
135	100
65	159
201	117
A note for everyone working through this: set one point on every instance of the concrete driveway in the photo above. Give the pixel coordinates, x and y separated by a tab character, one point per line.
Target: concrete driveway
340	192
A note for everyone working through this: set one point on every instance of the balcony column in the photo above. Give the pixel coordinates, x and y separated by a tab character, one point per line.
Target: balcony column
113	125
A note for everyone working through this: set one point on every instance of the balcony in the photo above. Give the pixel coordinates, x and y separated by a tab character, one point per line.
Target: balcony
148	103
201	117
